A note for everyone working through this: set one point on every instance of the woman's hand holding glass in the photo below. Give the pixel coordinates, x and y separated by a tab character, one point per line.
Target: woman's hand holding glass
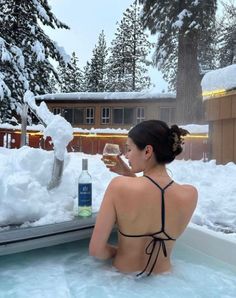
110	152
114	162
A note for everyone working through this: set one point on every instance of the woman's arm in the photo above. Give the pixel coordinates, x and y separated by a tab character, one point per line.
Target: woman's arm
105	221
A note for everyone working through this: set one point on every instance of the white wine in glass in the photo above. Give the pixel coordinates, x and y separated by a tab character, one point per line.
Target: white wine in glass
110	153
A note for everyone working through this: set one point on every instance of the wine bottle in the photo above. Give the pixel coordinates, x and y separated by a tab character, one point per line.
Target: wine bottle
85	191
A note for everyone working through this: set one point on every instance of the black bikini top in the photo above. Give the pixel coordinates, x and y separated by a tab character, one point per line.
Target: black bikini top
155	236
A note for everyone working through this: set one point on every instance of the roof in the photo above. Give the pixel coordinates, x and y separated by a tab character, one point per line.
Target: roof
107	96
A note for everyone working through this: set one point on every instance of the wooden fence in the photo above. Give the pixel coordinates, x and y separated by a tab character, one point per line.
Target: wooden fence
195	147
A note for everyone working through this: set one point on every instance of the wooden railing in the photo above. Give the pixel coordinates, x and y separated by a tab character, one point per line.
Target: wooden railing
196	145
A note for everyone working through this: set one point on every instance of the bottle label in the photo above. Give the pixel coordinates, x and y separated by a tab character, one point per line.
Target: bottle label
85	194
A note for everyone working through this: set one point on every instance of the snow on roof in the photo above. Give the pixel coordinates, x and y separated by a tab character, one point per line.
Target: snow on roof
220	79
144	95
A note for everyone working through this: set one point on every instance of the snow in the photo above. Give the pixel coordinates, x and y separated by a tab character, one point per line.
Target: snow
38	48
3	87
57	127
179	22
65	57
196	129
61	133
6	56
145	94
25	200
191	128
196	2
42	12
223	78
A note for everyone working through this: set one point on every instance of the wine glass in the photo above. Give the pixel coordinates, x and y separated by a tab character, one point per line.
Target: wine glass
110	153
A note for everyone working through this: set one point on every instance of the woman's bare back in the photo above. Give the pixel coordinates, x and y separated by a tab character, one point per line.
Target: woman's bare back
139	212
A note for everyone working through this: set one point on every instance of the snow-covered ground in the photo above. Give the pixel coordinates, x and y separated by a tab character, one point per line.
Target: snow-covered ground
25	200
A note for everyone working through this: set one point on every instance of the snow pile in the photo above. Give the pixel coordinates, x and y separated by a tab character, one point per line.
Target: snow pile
195	128
57	128
25	200
24	177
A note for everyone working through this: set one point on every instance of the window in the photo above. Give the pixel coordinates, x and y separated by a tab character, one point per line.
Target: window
167	114
123	115
128	115
79	116
117	115
68	114
140	116
56	111
89	115
105	115
84	116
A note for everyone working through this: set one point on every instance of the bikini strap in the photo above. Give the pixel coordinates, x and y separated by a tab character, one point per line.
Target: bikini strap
158	184
162	200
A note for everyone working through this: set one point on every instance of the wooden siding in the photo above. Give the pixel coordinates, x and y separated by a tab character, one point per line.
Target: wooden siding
152	110
221	114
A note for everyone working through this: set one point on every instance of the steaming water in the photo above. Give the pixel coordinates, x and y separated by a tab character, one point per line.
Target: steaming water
67	271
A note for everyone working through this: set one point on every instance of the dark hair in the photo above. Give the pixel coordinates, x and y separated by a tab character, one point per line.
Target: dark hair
166	142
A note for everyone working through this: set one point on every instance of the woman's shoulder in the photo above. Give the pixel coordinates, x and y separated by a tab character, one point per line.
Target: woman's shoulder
122	180
123	183
188	188
187	193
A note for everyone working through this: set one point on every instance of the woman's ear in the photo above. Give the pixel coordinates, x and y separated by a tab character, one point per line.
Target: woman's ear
148	151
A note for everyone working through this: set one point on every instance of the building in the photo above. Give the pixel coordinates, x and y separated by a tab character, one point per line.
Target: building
111	109
93	114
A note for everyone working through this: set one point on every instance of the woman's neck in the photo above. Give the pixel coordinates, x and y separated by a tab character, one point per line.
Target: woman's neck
156	171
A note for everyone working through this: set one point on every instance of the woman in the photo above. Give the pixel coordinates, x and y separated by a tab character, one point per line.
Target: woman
151	211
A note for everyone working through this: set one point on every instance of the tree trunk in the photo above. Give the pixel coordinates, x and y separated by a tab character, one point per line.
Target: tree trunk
189	93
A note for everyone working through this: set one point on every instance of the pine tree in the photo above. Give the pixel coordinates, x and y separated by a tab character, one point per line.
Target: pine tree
227	35
53	84
25	51
118	75
128	61
179	25
70	76
168	66
96	69
86	77
207	49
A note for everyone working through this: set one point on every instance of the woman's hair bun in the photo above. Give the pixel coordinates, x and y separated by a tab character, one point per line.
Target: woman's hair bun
176	138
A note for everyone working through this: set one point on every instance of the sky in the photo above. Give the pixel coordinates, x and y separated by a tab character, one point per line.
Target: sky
87	19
